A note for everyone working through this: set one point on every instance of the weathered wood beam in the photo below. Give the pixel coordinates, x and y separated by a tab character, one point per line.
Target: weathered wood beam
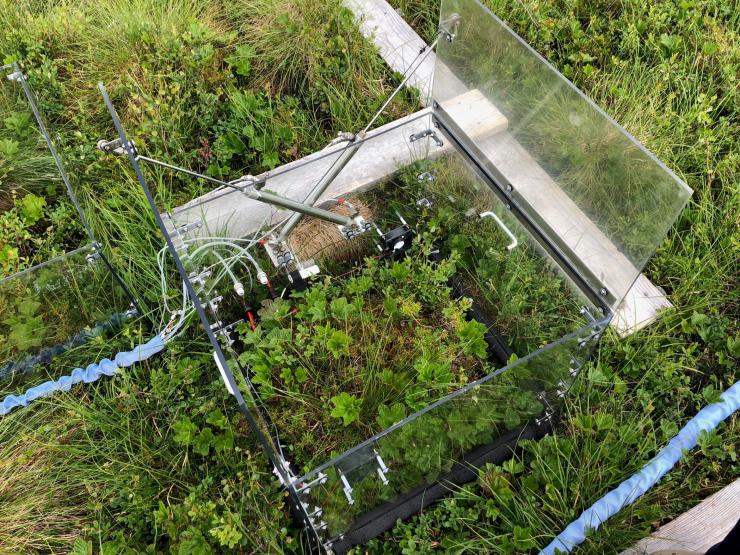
697	529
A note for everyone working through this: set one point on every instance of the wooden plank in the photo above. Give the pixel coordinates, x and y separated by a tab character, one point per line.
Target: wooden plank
387	149
697	529
226	212
472	110
398	43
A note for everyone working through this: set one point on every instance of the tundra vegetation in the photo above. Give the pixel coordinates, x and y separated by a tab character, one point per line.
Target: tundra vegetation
157	460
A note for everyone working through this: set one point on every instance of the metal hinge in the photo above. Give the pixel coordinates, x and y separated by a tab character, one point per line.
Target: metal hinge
115	147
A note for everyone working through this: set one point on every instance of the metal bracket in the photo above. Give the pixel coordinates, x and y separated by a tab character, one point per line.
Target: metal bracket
449	28
115	147
279	253
132	312
16	76
94	256
382	468
549	410
320	479
187	228
347	488
428	133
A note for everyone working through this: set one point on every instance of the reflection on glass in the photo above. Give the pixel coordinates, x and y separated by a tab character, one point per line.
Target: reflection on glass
599	192
54	307
425	447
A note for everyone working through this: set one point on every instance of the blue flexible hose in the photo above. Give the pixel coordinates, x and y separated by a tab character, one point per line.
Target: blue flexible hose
630	490
45	355
90	374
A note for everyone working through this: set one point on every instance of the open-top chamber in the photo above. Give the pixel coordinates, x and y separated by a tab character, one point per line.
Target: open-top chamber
403	306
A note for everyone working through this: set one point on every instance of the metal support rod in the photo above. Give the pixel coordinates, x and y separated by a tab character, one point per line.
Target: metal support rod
326	180
260	196
298	207
340	163
191	173
18	76
423	55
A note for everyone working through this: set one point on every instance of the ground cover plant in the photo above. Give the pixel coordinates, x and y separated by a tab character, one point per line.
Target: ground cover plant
522	295
90	469
370	344
348	357
37	222
667	72
390	337
51	309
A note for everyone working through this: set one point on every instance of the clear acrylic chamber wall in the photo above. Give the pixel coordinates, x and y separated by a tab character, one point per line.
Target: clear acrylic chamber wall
548	211
49	309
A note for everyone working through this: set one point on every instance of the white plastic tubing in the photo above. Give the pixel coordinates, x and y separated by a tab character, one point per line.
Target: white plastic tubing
90	374
630	490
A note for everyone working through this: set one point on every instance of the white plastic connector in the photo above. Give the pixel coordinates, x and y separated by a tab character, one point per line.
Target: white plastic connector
262	278
239	288
309	271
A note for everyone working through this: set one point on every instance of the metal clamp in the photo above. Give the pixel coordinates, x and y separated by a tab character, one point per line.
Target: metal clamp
15	76
94	256
319	480
358	227
448	28
115	147
342	137
514	241
428	133
279	253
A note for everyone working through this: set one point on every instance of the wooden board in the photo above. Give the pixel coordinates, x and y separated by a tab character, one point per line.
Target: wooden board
697	529
229	213
398	43
387	149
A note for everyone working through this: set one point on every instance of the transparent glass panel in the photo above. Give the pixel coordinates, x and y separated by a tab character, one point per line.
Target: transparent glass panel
518	294
31	187
595	192
453	432
53	308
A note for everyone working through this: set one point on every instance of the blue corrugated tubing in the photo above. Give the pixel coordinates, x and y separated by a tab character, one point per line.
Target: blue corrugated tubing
90	374
630	490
